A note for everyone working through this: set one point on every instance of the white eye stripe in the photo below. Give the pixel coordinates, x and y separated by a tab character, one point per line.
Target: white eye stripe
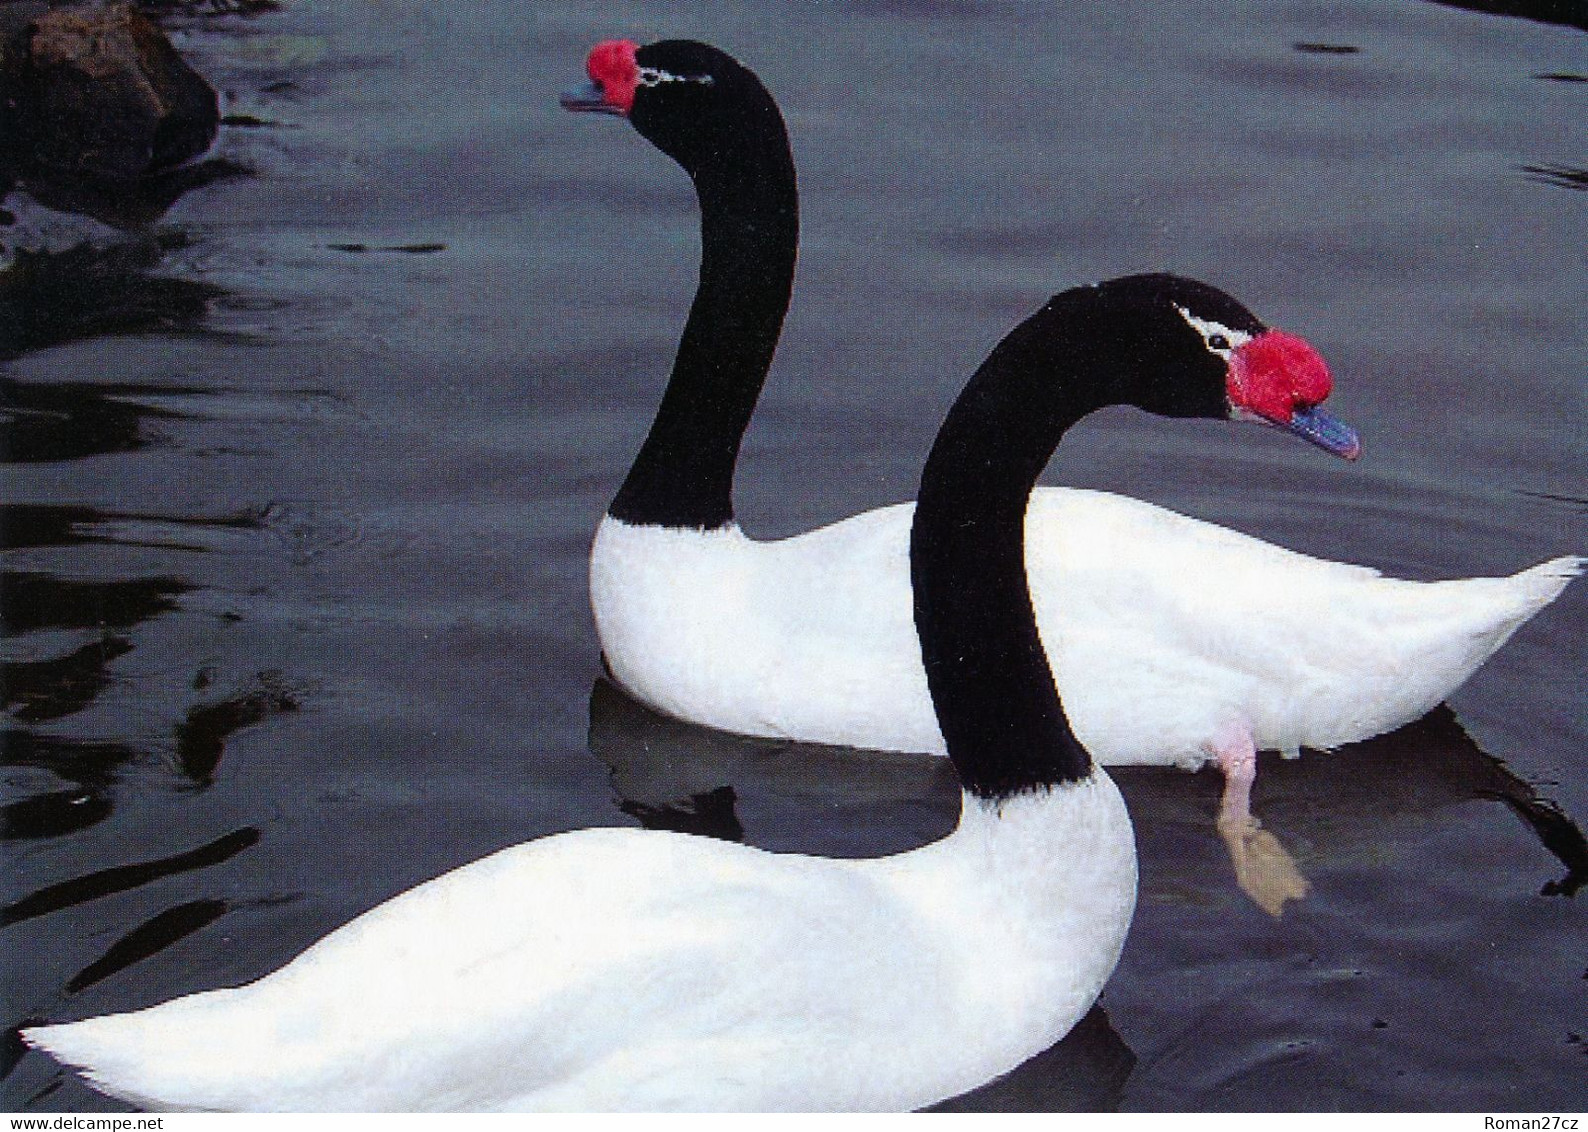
1211	329
655	76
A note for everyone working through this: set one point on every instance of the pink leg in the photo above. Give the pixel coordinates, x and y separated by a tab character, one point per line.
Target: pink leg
1237	757
1263	869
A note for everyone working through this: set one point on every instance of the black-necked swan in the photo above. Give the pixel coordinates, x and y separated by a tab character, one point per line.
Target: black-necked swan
1174	641
640	969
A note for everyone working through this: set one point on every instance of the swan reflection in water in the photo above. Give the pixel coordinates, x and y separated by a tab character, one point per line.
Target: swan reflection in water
837	801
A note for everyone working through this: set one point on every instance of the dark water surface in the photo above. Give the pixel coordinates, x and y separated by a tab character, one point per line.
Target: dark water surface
300	483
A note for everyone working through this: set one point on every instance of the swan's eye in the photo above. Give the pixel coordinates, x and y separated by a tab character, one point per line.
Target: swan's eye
1218	337
655	76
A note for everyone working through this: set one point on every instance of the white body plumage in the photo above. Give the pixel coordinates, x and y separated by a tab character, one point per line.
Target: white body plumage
634	969
1164	633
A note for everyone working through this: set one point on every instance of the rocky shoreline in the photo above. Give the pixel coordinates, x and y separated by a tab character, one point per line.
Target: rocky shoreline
100	115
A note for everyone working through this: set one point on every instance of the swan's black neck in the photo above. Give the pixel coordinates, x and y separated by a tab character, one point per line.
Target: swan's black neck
744	176
1000	712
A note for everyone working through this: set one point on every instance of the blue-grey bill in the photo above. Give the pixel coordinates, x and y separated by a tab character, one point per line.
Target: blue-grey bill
1328	432
590	98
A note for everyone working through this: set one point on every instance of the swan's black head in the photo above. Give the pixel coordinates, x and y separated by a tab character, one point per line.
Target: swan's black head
693	102
1181	348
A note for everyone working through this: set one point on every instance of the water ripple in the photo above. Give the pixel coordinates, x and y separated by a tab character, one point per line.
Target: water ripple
1563	176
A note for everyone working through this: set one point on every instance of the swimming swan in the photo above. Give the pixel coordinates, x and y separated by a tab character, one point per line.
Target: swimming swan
641	969
1173	641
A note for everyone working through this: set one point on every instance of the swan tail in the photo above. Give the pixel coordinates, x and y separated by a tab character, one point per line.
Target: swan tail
1426	640
126	1055
1513	601
98	1052
1488	612
1543	583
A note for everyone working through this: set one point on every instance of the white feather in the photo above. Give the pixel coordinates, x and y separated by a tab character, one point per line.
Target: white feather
1162	631
633	969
